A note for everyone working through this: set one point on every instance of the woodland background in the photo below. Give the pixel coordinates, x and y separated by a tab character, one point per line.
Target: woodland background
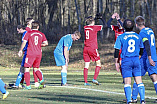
59	17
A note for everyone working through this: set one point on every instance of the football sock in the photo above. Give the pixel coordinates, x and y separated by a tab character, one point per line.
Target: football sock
39	74
22	80
85	72
97	70
19	78
127	90
27	78
35	77
64	77
134	91
2	89
141	90
155	86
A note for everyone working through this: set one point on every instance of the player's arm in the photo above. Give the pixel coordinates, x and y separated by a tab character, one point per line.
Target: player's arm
118	19
22	46
45	43
66	55
140	53
110	20
116	54
147	47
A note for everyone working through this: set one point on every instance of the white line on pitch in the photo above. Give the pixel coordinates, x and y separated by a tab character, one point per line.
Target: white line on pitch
102	91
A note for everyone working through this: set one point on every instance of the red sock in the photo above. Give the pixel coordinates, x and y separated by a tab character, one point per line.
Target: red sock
35	77
97	70
22	80
39	74
85	72
27	78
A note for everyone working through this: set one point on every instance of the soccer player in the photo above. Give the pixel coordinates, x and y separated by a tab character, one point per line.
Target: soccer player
61	54
118	29
130	43
90	51
3	90
36	40
148	59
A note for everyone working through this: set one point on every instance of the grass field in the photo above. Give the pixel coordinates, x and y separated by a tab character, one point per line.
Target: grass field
109	92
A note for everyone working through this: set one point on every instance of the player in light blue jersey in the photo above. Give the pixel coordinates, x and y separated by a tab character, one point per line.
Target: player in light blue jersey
130	43
148	59
3	90
61	54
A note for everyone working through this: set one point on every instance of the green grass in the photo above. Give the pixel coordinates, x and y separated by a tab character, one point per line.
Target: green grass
79	94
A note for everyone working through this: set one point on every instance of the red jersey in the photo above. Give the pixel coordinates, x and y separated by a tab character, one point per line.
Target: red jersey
118	31
35	38
28	29
91	35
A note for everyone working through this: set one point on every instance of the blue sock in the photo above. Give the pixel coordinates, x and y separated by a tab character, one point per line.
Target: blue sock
155	86
134	91
2	89
127	90
141	90
19	77
64	77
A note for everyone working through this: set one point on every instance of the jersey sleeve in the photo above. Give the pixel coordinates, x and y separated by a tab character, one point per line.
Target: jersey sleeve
44	38
141	43
66	42
143	36
112	27
25	38
28	29
117	44
99	27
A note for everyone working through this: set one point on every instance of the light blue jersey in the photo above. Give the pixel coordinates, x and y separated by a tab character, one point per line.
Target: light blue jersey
59	50
130	42
148	34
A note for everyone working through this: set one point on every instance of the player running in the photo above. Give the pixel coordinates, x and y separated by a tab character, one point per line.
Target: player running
3	90
36	40
130	43
90	51
61	54
149	59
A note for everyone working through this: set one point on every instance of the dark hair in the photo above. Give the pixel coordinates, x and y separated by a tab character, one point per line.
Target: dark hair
27	20
35	24
21	27
77	33
128	25
89	20
139	20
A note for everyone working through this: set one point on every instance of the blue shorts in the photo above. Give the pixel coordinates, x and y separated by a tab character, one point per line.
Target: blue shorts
131	67
60	59
24	57
151	69
143	66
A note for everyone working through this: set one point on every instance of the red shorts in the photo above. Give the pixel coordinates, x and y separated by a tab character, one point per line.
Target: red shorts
90	54
33	60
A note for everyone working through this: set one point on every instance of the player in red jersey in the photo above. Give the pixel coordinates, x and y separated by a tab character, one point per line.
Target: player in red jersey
118	29
36	40
90	51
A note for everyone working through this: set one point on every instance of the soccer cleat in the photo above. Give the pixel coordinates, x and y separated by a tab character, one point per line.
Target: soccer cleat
42	82
87	84
133	100
143	102
37	84
15	87
66	84
21	85
155	101
10	85
27	88
5	95
41	86
95	82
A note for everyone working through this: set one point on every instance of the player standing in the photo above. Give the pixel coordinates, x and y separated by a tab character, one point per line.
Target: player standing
148	59
36	40
90	51
118	29
3	90
61	54
130	43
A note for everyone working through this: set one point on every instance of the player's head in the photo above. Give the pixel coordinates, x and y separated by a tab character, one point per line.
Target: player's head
21	29
29	21
90	20
128	25
35	25
77	35
139	21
